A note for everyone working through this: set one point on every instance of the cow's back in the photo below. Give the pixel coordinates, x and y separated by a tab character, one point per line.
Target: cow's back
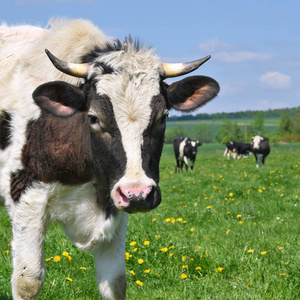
14	41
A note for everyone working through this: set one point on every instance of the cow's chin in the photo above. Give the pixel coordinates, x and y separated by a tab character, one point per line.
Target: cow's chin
137	205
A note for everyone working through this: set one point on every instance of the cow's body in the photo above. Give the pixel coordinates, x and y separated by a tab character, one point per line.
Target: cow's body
237	150
185	150
260	149
82	151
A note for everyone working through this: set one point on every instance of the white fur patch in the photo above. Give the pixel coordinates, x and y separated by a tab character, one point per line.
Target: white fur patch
131	88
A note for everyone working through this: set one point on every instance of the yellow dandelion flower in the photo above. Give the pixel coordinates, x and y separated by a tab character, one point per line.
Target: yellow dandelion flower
47	259
184	258
249	284
66	254
147	271
164	249
167	220
135	249
146	243
241	222
227	231
259	190
6	251
171	247
208	207
179	219
184	266
250	251
183	276
56	258
282	275
198	268
140	261
82	268
230	194
263	252
69	279
69	258
171	254
132	273
153	220
219	269
157	236
239	216
191	259
132	243
139	283
280	248
192	229
172	220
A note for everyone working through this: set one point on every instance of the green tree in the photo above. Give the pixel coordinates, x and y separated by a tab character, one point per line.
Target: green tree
285	124
202	133
229	132
174	133
257	126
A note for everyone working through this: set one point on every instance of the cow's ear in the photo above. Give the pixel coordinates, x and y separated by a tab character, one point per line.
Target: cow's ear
59	98
191	92
198	144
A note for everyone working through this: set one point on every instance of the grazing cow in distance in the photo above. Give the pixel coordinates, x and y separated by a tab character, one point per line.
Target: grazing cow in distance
185	149
260	149
81	136
238	150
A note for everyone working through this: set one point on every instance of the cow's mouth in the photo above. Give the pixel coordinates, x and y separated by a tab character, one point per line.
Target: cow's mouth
137	200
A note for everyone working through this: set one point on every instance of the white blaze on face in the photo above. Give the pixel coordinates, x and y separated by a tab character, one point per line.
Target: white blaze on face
130	91
256	142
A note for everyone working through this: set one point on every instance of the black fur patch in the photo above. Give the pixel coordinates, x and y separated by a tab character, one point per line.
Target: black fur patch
19	182
5	120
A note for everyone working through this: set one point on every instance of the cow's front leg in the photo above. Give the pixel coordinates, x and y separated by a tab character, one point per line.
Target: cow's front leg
110	264
29	228
186	163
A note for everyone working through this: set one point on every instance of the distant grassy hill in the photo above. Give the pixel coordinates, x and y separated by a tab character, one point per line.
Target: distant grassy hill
271	124
242	118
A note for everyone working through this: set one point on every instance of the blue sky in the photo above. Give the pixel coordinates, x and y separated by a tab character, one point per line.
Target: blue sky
255	45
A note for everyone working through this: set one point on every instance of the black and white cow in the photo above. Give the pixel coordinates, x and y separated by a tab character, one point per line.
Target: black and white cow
260	149
185	149
237	150
81	143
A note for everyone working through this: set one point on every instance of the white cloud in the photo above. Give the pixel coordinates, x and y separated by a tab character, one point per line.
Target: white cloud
275	80
241	56
214	45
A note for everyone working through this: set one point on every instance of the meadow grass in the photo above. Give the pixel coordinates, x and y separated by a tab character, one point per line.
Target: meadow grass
226	231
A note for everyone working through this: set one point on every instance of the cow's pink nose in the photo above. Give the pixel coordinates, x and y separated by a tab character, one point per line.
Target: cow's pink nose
125	195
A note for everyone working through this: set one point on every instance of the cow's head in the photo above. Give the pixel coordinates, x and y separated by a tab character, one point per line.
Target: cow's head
256	141
124	103
191	148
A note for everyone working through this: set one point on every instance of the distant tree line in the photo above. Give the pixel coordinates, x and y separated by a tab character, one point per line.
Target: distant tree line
248	114
288	129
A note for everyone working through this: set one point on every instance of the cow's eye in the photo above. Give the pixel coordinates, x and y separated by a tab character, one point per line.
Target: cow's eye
164	117
93	120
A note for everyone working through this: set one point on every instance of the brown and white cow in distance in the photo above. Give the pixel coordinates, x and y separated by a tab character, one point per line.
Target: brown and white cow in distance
81	145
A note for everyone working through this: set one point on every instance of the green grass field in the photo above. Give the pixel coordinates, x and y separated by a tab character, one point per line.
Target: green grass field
226	231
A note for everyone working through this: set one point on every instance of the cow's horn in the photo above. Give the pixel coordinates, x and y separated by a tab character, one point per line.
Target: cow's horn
77	70
174	70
